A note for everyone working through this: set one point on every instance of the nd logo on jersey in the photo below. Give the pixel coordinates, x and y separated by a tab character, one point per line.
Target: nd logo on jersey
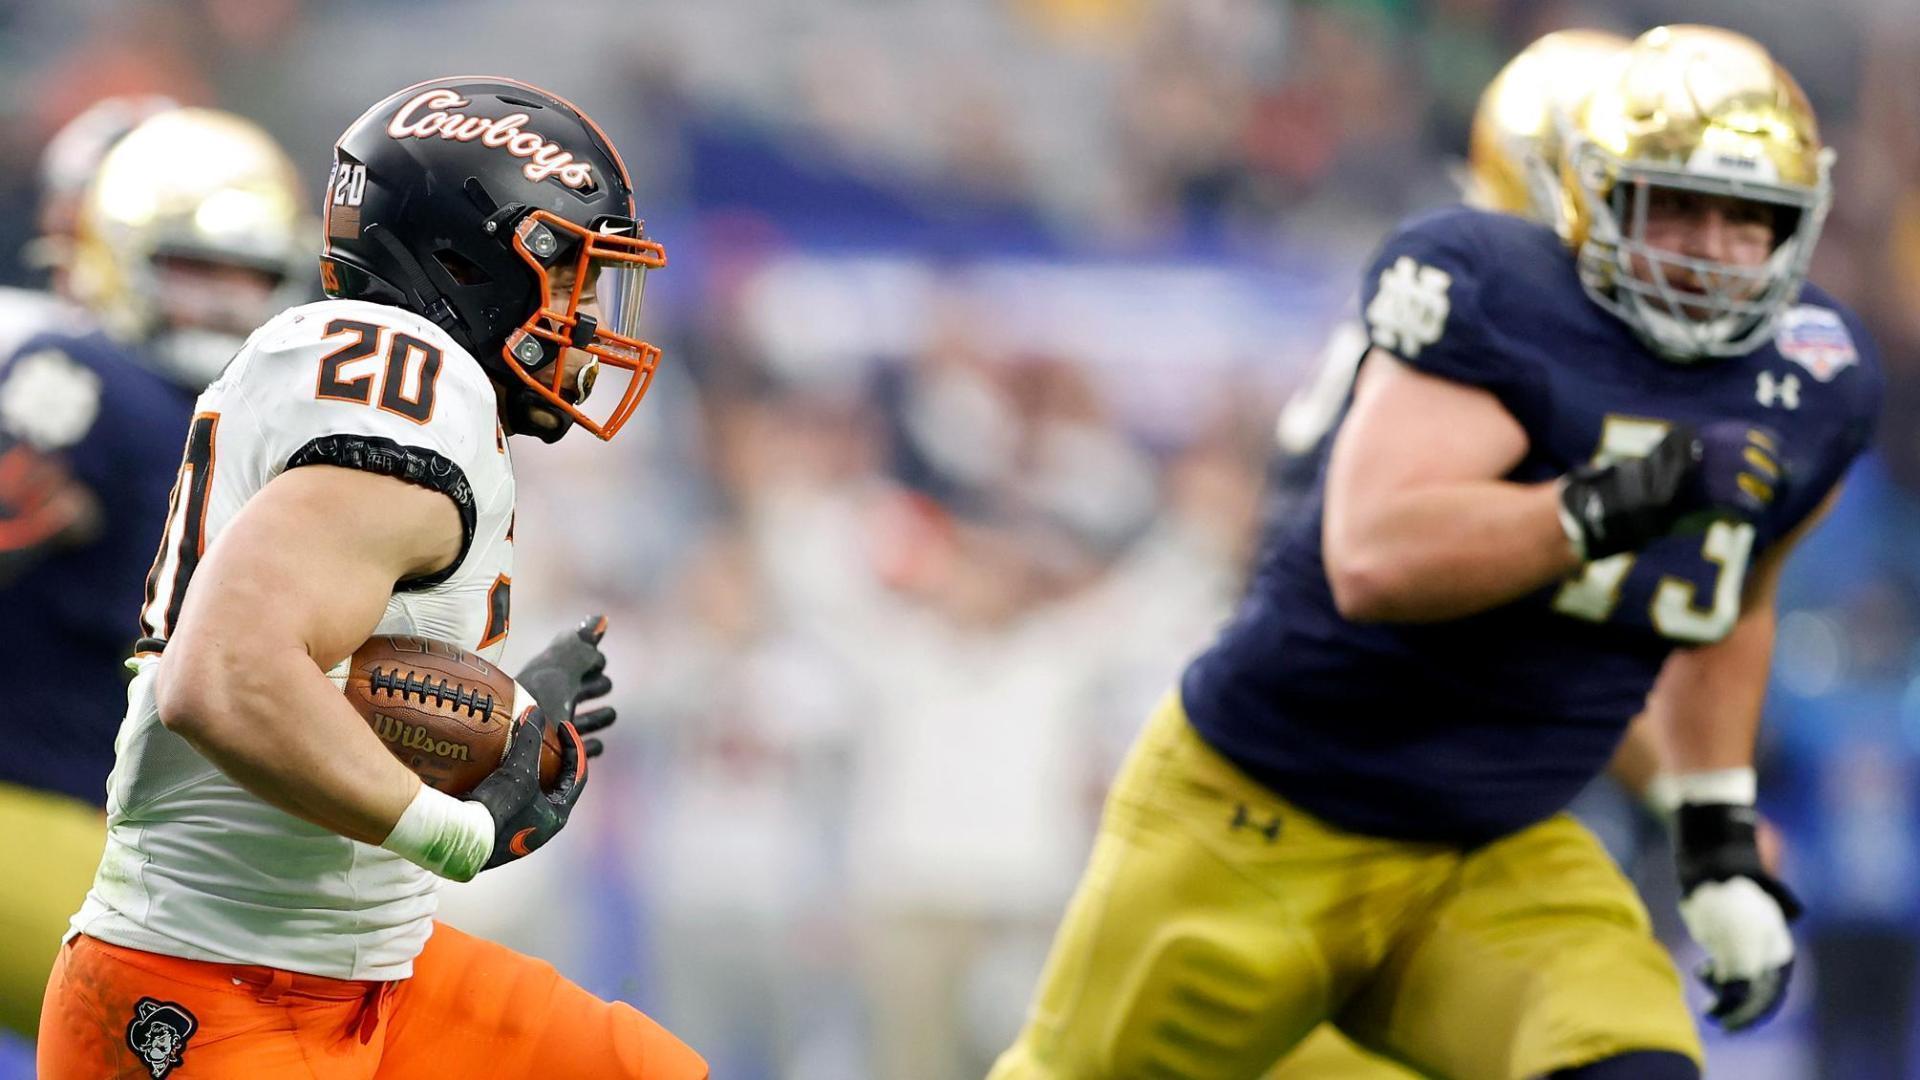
1410	309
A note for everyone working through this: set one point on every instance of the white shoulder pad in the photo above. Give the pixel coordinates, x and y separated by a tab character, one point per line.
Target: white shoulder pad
355	372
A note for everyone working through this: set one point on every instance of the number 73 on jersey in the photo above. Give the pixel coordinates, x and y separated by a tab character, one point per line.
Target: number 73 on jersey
1676	611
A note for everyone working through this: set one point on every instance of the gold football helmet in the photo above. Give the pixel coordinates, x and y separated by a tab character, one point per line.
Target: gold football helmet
71	158
1513	156
1707	111
192	232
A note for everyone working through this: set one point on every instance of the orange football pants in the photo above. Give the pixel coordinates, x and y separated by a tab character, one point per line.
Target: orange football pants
472	1008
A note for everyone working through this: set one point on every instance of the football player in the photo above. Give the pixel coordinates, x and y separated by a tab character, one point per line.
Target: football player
1573	465
90	425
1512	167
265	903
41	506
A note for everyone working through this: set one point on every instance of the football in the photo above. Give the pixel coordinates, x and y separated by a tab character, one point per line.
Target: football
442	710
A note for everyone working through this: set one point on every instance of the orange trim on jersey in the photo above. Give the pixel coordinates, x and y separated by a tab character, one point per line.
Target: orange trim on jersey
490	635
213	453
190	478
147	628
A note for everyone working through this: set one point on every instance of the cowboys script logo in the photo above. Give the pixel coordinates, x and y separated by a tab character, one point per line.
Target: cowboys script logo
159	1034
428	115
1409	310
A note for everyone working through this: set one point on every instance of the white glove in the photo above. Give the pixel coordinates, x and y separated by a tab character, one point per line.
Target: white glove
1735	909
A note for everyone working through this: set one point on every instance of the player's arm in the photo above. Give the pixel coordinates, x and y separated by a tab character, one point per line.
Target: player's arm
1419	526
1635	765
49	405
42	507
1706	704
1706	710
293	585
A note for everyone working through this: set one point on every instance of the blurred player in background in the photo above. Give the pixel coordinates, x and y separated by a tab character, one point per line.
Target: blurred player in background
160	269
40	505
66	166
1563	490
265	903
1513	167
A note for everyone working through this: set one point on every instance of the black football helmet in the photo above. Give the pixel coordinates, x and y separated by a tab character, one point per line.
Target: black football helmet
469	200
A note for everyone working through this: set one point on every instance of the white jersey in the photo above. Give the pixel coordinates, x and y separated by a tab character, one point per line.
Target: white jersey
195	866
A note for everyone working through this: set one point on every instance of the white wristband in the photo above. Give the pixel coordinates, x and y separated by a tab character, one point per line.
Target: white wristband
1734	787
451	837
1662	796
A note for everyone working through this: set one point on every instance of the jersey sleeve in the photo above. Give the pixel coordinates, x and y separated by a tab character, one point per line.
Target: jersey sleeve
1834	420
1865	397
1421	300
1861	388
50	407
49	400
386	395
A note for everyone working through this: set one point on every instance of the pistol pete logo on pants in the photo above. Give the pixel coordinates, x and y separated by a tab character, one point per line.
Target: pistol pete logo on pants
158	1033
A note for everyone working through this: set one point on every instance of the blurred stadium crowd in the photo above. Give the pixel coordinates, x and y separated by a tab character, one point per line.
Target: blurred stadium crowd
978	318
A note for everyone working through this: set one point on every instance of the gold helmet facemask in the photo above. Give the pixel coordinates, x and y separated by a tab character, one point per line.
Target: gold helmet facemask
192	188
1513	156
1702	110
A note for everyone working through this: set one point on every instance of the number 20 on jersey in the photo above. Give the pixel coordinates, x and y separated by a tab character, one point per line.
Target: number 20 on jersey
404	367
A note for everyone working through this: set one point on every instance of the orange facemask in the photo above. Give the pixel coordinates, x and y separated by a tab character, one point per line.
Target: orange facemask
610	264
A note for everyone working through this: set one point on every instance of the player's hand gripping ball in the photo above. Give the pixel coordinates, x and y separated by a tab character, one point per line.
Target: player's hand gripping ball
444	712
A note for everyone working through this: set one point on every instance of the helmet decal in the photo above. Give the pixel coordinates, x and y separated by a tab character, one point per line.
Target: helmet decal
1513	153
501	213
1693	112
545	158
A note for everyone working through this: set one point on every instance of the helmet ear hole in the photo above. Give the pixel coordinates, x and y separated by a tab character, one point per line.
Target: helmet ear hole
462	270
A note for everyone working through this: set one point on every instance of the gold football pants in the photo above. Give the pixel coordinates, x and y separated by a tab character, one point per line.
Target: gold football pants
53	846
1217	925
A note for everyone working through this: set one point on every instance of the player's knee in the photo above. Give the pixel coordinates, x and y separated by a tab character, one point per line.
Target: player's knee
1637	1065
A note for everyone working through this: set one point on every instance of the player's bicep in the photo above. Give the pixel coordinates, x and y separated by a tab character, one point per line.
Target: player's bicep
1407	428
310	562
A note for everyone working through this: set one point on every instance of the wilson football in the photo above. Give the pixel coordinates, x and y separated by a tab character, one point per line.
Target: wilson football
443	711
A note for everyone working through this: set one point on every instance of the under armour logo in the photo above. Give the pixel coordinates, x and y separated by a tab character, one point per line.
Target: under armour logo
1783	390
1409	310
1244	820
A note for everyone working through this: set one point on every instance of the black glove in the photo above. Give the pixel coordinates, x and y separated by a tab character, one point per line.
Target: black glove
1728	469
568	671
1736	911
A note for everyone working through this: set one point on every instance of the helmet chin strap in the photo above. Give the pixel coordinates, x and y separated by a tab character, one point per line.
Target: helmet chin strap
521	419
426	299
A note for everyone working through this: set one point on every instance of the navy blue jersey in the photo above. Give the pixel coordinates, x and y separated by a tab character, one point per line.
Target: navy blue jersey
67	622
1464	731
